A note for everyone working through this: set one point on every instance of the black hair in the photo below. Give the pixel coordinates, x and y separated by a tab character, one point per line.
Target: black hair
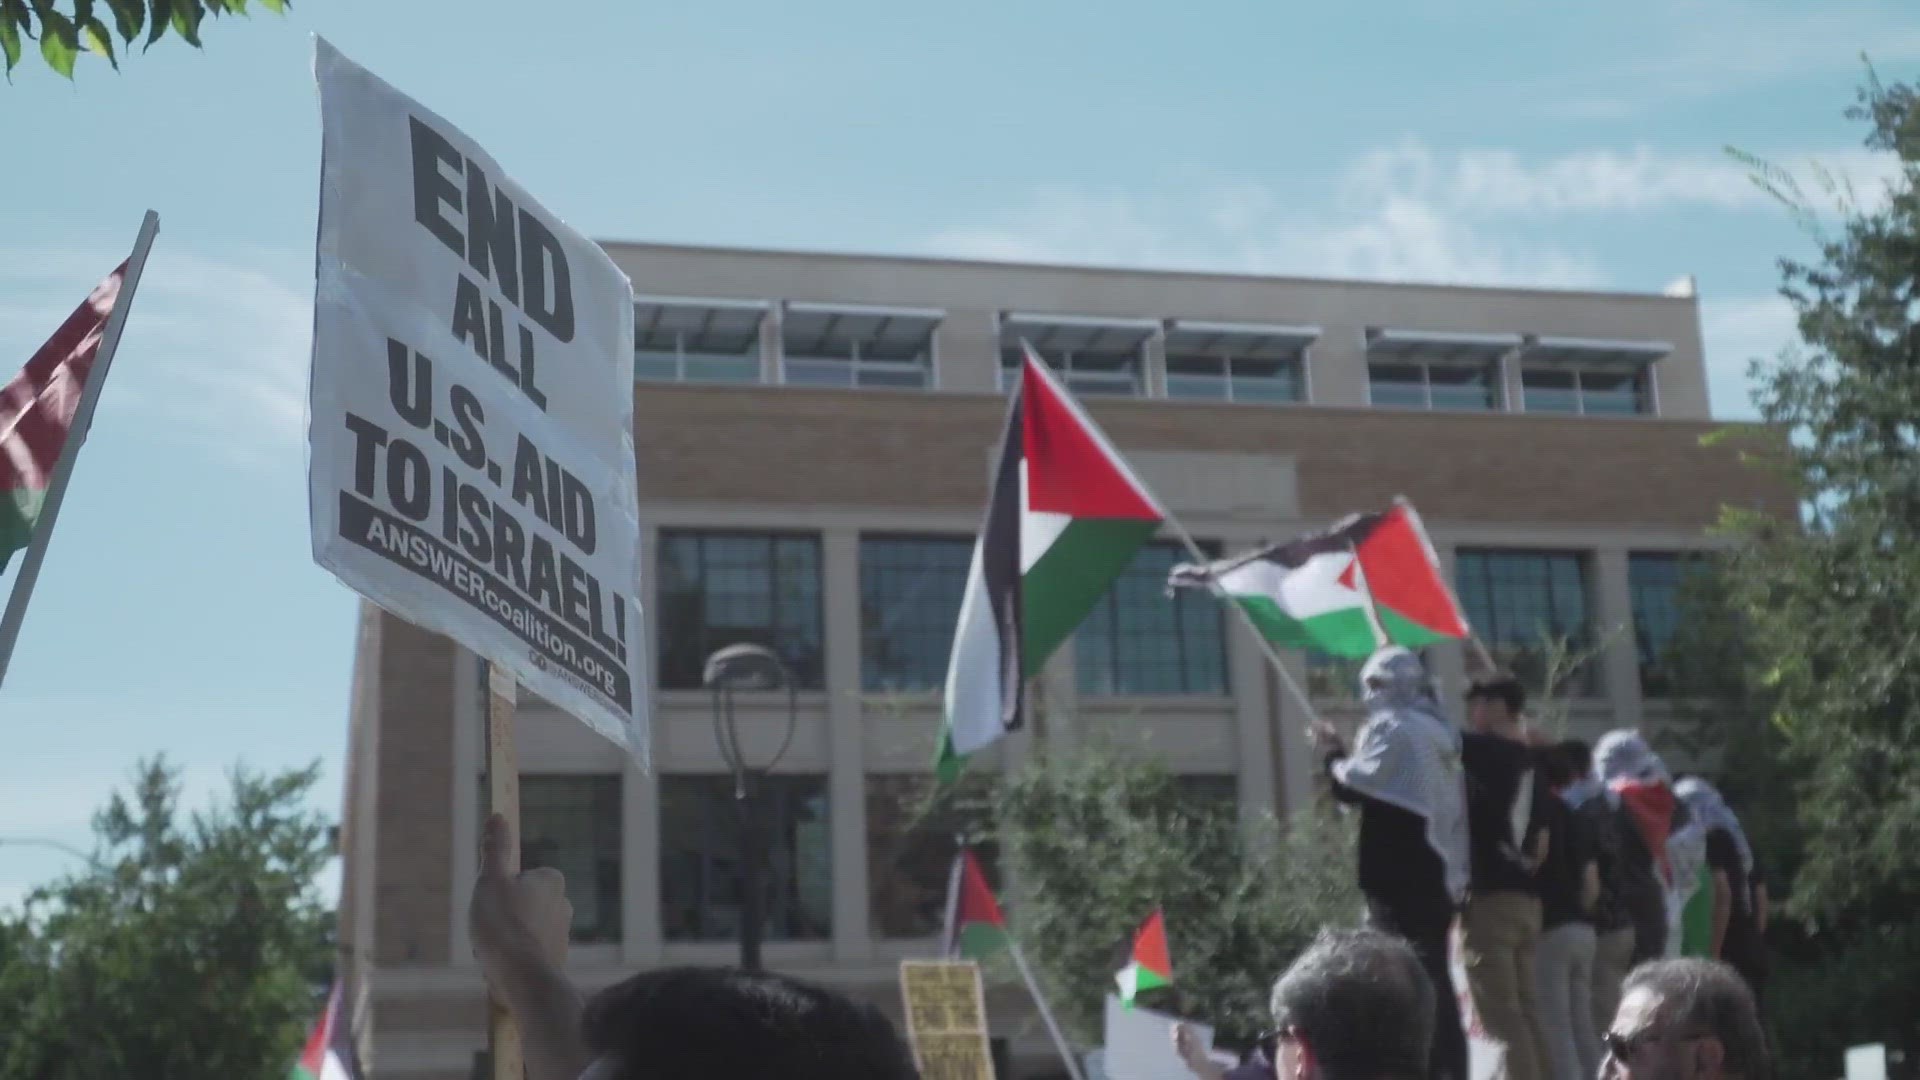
1502	688
1557	766
726	1023
1713	996
1362	1003
1579	755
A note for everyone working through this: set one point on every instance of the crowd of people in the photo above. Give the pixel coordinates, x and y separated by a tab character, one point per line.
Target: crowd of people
1565	870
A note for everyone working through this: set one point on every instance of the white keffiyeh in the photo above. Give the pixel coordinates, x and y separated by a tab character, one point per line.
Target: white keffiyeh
1407	756
1710	809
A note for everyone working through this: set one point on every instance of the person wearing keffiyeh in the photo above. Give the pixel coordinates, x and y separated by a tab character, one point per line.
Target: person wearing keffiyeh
1738	915
1405	774
1641	791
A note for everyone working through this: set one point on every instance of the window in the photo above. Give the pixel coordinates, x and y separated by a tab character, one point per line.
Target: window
1655	583
910	591
1333	678
846	346
1230	362
1439	370
717	589
1437	386
1518	601
1588	376
700	865
1137	640
1093	356
697	341
911	834
572	824
1589	392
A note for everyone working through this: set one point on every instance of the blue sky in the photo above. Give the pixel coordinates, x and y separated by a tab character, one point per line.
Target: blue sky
1487	142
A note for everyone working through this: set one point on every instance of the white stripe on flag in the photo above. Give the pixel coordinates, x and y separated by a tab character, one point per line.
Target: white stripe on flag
973	673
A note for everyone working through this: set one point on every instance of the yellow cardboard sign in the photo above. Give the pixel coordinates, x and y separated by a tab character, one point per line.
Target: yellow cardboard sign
946	1019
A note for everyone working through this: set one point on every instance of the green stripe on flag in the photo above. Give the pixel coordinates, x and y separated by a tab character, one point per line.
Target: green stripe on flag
19	510
1345	632
1058	590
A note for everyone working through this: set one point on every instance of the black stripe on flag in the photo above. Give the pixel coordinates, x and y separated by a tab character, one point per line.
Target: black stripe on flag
1348	532
1000	565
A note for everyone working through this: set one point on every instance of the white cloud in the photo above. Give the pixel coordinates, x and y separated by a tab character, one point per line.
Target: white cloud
215	350
1735	332
1697	49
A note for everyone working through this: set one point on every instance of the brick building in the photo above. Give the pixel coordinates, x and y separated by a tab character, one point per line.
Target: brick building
813	436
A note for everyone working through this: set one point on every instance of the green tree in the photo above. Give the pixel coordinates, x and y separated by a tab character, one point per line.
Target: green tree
1825	611
67	28
189	948
1095	840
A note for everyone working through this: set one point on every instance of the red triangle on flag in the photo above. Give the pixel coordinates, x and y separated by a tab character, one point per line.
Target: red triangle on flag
1070	468
976	903
1150	947
1403	575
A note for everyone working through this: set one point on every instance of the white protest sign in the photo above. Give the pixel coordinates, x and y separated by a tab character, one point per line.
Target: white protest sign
470	423
1139	1044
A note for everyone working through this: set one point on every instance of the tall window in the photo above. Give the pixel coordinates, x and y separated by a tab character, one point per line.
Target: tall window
721	588
834	346
910	590
1655	583
911	830
572	824
700	859
1585	391
1519	601
1437	385
1137	640
697	341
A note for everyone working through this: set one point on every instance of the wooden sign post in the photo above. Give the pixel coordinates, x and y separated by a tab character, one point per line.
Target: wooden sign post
503	793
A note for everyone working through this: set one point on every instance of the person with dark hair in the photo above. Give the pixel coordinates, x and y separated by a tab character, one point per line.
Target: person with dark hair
1357	1005
679	1022
1737	916
1502	921
1612	921
1405	775
1688	1019
1569	886
1640	790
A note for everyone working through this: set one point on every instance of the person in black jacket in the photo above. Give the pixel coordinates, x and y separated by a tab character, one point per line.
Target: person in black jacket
1405	775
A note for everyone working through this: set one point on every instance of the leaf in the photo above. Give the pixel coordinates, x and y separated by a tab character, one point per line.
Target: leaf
128	17
59	43
98	39
278	7
158	23
13	15
186	20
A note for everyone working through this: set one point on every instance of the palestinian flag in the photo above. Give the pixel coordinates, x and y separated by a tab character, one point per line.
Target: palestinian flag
37	410
1650	805
1151	968
1308	593
1063	520
329	1054
975	927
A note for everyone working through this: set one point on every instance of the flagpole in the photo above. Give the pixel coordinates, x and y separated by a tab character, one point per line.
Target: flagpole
1266	647
1046	1014
503	796
16	612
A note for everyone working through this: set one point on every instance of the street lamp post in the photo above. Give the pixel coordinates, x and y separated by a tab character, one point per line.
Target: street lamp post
736	668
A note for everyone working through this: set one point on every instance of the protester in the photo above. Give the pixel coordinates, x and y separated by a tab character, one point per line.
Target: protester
1688	1019
1569	888
1405	774
1255	1064
1612	922
680	1022
1357	1005
1502	921
1640	791
1739	890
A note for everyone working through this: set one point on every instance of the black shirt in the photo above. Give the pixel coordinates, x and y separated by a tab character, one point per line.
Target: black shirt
1743	947
1570	850
1496	768
1602	825
1399	870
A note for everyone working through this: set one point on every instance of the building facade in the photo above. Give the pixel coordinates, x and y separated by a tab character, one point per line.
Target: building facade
813	437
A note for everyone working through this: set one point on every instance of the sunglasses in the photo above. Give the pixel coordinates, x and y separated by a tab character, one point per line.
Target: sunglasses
1624	1048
